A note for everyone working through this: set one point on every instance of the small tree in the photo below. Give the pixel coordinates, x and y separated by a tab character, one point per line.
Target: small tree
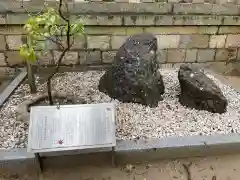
51	26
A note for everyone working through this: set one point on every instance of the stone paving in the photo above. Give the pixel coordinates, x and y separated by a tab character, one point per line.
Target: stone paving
211	168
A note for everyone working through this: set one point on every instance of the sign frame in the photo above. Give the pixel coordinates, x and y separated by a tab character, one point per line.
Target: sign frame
79	147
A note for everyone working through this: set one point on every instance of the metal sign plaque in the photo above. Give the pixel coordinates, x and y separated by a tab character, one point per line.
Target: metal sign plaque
71	127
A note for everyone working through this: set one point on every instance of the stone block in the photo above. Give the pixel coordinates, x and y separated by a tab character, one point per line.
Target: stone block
229	30
174	1
96	30
149	1
217	41
187	1
233	40
221	55
32	6
79	42
191	55
176	55
205	55
2	43
198	1
115	20
182	30
13	58
121	1
231	20
133	30
178	65
166	66
159	7
2	60
232	53
162	56
225	9
11	30
189	8
70	58
98	42
226	54
16	19
114	8
45	58
206	8
194	41
51	45
110	20
166	30
139	20
14	42
2	19
207	29
90	57
117	41
134	1
163	20
108	57
168	41
5	72
197	20
238	54
226	1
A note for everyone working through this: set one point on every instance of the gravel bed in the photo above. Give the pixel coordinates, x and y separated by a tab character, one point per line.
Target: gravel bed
134	121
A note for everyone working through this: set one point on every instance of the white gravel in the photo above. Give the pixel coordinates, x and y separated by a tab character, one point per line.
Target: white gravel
170	118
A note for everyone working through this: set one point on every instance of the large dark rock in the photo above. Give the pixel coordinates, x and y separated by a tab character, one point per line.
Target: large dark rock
200	92
134	76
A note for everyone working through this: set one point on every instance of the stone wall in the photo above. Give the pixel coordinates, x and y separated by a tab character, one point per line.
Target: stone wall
192	31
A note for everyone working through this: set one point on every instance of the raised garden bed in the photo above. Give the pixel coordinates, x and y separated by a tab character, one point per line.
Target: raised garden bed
134	121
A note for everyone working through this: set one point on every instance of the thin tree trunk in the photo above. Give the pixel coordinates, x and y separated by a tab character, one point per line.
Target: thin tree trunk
49	91
31	78
49	85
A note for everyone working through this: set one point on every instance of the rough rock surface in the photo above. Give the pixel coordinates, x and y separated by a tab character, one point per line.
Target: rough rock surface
134	76
200	92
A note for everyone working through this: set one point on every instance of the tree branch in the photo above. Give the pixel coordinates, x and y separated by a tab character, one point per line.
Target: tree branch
26	11
62	54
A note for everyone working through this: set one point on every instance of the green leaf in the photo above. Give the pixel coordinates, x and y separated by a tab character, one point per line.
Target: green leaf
52	19
32	55
24	52
46	34
39	28
76	29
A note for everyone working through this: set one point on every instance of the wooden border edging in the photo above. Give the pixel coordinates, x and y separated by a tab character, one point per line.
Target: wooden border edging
131	151
11	87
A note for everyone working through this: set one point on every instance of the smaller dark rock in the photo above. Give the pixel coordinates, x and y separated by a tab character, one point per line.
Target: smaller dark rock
200	92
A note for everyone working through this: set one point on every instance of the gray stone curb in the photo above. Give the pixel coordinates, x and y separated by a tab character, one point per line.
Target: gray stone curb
11	87
131	151
177	147
17	160
126	151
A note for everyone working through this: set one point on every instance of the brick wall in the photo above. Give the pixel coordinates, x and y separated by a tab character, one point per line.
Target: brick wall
192	31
